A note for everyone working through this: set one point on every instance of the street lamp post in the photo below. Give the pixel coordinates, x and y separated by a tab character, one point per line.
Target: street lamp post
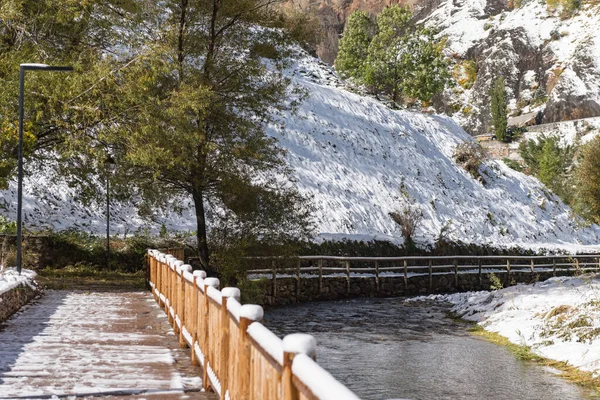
25	67
110	169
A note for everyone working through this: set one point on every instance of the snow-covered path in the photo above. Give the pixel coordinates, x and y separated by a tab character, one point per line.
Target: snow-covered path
107	344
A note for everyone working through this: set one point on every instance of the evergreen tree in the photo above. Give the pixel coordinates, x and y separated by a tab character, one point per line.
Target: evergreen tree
394	57
550	162
587	181
354	45
498	104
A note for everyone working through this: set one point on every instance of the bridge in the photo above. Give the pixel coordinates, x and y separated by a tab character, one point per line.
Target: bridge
189	339
185	340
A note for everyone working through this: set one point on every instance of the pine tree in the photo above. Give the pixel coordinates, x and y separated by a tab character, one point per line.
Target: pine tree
384	69
587	181
354	45
393	57
498	106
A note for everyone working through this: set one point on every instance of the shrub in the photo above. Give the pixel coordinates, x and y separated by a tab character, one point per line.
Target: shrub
408	219
470	156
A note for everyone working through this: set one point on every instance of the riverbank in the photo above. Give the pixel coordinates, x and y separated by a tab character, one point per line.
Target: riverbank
557	319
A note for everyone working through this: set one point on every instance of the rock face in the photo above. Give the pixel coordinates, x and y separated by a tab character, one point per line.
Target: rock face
550	58
333	15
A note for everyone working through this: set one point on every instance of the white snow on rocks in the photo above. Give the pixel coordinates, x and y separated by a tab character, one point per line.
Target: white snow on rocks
10	279
559	318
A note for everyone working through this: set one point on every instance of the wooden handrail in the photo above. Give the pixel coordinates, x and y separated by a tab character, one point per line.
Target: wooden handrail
240	358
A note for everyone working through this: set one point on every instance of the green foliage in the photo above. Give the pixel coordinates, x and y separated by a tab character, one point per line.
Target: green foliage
177	93
513	164
587	178
396	58
495	282
7	226
498	104
354	45
550	163
465	73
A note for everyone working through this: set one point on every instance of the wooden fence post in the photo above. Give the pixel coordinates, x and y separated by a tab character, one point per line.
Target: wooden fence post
456	274
377	276
430	276
298	281
405	277
507	272
249	313
532	267
320	276
297	343
208	282
224	361
183	317
347	277
198	320
480	277
169	291
554	266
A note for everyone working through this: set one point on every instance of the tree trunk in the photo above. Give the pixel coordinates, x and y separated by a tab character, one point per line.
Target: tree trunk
203	252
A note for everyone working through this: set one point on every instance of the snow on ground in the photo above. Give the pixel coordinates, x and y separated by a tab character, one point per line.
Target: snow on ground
359	160
10	279
559	318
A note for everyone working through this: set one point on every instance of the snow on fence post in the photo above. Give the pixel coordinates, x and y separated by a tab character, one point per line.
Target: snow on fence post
297	343
226	293
249	313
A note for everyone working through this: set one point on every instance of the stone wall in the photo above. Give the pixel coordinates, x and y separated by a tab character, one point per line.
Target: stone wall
12	300
290	290
37	251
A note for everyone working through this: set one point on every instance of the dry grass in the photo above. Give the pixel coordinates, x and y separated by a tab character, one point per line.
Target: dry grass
87	278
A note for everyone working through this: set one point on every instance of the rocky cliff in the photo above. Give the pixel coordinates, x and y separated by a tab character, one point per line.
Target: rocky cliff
548	52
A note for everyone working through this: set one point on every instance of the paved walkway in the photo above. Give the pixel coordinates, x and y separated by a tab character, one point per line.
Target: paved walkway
94	345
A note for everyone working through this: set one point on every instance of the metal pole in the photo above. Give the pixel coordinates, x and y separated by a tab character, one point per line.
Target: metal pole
20	171
107	221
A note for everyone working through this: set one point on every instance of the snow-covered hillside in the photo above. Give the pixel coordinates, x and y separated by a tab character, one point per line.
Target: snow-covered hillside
359	160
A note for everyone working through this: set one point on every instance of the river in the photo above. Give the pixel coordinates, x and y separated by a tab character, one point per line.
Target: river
392	349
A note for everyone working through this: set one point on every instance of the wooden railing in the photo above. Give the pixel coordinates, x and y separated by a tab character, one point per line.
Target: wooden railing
241	359
321	266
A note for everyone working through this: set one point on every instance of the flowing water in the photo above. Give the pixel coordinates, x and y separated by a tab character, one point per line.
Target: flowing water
390	349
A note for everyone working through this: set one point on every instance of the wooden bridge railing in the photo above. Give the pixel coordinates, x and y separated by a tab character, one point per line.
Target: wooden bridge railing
321	266
241	359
